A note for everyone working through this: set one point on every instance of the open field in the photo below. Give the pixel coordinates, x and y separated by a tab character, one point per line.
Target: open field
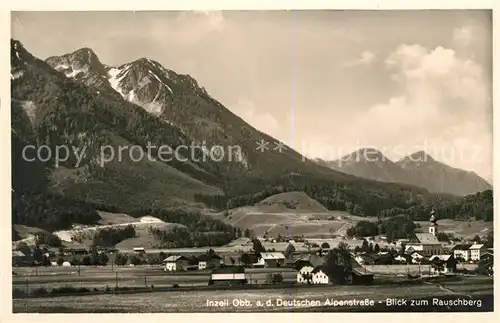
196	301
28	279
290	213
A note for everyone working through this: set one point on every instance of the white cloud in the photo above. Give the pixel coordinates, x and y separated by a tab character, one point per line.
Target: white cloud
214	18
443	104
364	58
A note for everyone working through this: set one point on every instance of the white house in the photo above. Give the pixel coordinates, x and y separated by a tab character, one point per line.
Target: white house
319	276
209	261
416	257
175	263
400	258
476	251
272	259
462	251
304	273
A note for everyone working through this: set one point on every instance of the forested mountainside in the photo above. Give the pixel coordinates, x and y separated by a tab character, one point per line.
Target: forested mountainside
76	101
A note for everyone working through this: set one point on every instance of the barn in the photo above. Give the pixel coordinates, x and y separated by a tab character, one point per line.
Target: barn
234	275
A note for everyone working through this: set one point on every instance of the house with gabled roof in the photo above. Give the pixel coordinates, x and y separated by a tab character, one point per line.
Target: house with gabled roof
476	250
443	264
272	259
462	251
320	276
206	261
176	263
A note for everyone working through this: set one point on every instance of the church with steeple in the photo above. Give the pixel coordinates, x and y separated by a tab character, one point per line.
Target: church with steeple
426	244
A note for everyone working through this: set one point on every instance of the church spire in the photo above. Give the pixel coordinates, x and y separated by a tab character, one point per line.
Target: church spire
433	224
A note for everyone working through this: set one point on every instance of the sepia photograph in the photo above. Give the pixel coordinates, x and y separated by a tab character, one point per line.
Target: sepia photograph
251	161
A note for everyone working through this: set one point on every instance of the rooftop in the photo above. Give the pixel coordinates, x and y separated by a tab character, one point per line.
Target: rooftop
272	255
206	257
229	270
17	253
476	246
440	257
174	258
426	238
462	247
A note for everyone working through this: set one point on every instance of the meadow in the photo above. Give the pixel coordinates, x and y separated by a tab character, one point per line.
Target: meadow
196	301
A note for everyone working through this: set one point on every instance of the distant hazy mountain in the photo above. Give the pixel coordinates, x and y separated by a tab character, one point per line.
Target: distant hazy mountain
439	177
418	169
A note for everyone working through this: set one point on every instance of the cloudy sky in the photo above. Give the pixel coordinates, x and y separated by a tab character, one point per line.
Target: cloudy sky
324	82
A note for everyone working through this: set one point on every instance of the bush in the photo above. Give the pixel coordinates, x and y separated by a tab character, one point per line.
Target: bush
64	290
60	261
18	293
39	291
274	278
120	259
86	260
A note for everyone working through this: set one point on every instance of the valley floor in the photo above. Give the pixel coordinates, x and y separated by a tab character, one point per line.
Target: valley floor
325	298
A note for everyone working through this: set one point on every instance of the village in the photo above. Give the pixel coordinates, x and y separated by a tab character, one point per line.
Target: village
298	262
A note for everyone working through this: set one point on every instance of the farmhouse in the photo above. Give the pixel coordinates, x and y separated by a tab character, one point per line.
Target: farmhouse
462	251
209	261
416	257
304	275
319	276
176	263
360	275
443	264
272	259
476	250
228	276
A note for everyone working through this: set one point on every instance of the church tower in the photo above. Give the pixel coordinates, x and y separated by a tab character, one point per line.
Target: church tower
433	224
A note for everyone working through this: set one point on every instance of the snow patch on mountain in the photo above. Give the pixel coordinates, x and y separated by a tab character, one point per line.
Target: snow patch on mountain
158	79
115	75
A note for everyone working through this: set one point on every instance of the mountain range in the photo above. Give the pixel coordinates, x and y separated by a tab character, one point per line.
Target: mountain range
418	169
77	101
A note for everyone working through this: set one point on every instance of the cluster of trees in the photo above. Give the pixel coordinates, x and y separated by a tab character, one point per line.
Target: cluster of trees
108	237
50	211
396	227
48	239
358	198
179	237
337	264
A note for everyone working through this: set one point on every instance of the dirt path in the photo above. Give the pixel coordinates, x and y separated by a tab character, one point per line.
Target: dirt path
450	291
